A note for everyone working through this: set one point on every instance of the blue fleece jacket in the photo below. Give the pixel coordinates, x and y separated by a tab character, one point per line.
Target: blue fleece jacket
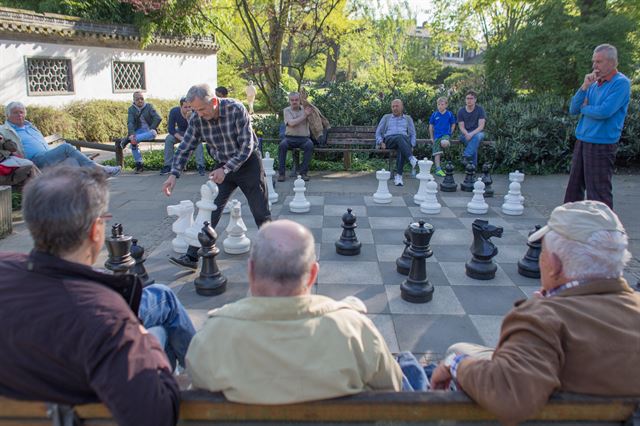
603	115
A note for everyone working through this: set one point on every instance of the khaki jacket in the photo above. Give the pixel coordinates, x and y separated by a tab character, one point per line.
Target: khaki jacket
278	350
317	121
585	339
12	144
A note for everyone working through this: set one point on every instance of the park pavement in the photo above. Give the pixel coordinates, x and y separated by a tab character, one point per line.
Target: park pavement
137	203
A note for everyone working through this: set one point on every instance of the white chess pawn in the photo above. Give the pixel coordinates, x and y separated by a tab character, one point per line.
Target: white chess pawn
184	211
430	205
299	204
236	241
382	195
267	163
208	193
512	205
424	176
477	205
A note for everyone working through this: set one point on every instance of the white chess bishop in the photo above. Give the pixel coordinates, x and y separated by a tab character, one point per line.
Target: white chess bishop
512	205
424	175
382	195
430	205
184	211
299	204
477	205
236	241
208	193
267	164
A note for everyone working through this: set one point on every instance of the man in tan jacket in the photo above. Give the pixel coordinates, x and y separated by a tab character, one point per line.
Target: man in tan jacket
284	345
579	334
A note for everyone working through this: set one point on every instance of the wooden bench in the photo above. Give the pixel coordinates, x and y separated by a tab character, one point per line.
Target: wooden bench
388	408
159	139
55	138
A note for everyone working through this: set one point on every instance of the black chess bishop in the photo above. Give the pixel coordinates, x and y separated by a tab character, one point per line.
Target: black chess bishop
210	282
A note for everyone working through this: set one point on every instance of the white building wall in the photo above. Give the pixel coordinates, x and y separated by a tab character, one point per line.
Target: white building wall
168	75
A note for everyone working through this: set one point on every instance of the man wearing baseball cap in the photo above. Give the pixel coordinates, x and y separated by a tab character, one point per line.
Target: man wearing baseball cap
578	334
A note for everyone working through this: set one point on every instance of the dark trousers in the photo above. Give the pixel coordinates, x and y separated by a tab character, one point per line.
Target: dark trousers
591	170
291	142
402	144
250	178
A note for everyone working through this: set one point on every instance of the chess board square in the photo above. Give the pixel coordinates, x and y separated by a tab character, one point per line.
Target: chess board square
313	211
390	276
237	288
443	224
529	213
384	324
509	253
496	221
529	291
315	200
459	201
451	253
395	202
198	317
378	212
328	252
511	269
306	219
336	221
445	212
390	252
455	273
349	272
339	210
373	296
487	300
524	223
397	223
344	199
452	237
433	334
461	212
489	328
388	236
331	235
444	302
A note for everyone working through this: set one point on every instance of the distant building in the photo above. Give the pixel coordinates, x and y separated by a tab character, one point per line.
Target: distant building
455	55
51	59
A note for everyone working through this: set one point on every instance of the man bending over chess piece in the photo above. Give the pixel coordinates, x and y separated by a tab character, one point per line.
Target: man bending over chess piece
325	348
579	334
71	334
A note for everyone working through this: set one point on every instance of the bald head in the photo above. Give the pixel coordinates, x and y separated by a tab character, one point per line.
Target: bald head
397	108
282	260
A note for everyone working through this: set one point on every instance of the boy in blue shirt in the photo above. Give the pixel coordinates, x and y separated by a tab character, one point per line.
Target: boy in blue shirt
441	126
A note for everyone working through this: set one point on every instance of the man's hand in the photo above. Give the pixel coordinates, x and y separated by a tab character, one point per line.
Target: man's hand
168	185
382	145
155	132
217	175
308	111
588	80
466	136
133	140
441	377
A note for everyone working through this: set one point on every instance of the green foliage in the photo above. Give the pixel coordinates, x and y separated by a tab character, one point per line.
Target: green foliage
16	200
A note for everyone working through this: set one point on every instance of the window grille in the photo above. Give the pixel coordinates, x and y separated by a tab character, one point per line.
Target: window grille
128	76
49	76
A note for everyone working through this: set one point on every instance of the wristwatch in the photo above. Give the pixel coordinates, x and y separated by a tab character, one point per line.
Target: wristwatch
225	170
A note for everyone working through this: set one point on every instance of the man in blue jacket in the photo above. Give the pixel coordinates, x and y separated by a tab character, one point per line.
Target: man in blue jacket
177	125
142	125
602	103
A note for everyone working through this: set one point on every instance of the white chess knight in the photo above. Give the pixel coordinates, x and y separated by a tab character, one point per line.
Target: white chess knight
382	195
299	204
424	175
208	193
517	176
184	211
477	205
236	241
430	205
267	164
512	205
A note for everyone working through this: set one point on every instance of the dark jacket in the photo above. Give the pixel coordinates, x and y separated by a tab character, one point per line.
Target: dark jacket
150	116
67	337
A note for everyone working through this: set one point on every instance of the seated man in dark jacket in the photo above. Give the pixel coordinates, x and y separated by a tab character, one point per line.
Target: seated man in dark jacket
142	125
70	334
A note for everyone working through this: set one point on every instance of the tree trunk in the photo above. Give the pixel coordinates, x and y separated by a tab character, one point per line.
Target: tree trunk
331	66
592	8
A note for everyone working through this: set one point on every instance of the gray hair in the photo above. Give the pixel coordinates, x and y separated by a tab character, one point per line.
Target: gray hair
292	94
609	50
13	105
286	261
200	91
603	256
60	205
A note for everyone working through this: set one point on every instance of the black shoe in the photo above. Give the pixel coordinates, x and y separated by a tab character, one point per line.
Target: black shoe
124	142
201	170
139	168
184	261
304	177
165	170
282	178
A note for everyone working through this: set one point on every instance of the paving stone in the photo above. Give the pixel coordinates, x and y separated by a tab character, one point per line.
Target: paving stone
486	300
445	212
349	272
306	219
328	253
385	326
331	235
395	201
390	276
456	275
489	328
444	302
339	210
433	334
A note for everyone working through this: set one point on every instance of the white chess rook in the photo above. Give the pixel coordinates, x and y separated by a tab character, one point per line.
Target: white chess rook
267	164
184	211
477	205
517	176
299	204
512	205
382	195
424	175
208	193
430	205
236	241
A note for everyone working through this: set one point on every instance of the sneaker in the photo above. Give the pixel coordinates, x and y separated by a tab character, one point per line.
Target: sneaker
413	160
111	170
165	170
139	169
398	180
282	178
184	261
201	170
124	142
440	172
304	177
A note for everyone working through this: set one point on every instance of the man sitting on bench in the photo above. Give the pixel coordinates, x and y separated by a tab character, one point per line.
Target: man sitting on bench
579	334
297	135
142	125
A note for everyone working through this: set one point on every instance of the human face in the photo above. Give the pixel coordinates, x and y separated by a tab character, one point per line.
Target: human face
470	100
138	100
205	110
17	116
442	106
294	101
185	109
396	108
602	66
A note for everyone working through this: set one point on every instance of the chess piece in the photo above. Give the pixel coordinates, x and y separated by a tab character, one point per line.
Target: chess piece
267	163
348	244
424	176
529	265
119	248
210	282
512	205
448	184
430	205
236	241
137	252
517	177
382	195
469	177
403	263
299	204
481	266
184	211
477	205
417	288
487	180
208	193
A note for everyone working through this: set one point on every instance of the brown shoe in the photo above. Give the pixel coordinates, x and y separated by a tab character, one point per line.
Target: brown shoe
282	178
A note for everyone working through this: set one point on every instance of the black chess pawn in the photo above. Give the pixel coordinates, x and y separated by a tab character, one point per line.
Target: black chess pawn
210	282
487	180
448	183
119	248
137	252
469	177
403	263
528	265
348	244
481	266
417	288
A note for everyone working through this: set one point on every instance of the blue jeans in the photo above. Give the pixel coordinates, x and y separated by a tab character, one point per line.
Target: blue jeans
291	142
141	136
471	147
169	150
164	316
59	154
414	376
402	144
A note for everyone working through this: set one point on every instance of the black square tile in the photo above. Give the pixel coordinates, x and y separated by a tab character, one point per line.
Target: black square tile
328	252
488	300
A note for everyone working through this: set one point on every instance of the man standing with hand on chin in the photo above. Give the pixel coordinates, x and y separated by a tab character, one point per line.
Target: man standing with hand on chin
225	126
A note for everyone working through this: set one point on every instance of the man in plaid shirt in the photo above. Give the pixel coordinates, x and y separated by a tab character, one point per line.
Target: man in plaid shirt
225	126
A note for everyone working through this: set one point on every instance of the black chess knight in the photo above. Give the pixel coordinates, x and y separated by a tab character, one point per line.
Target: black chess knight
481	266
210	282
119	248
528	265
417	288
348	244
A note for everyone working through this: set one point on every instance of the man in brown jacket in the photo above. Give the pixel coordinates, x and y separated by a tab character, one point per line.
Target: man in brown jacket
579	334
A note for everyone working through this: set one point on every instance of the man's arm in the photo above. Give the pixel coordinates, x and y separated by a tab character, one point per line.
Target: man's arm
292	122
481	123
155	118
245	137
171	124
411	128
431	132
379	129
131	120
617	97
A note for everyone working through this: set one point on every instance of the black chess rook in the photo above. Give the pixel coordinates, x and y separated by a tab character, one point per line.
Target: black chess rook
417	288
210	282
403	263
119	248
469	177
487	180
529	265
348	244
137	252
448	183
481	266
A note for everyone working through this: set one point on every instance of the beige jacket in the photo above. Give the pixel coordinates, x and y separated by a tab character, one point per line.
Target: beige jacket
585	339
12	141
278	350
